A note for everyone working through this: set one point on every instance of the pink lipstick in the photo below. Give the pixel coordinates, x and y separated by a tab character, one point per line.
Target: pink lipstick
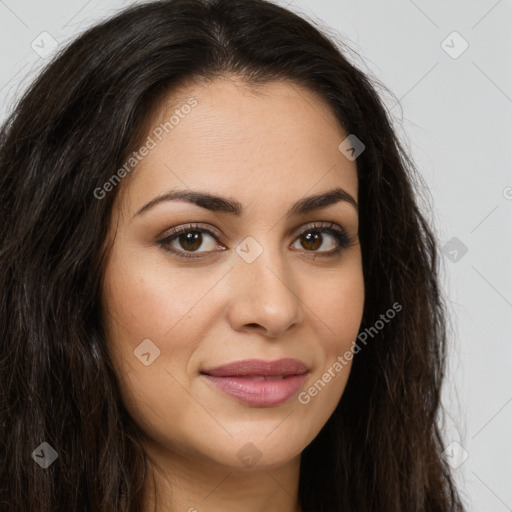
259	383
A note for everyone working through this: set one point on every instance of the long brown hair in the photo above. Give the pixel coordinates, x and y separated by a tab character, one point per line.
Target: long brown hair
381	448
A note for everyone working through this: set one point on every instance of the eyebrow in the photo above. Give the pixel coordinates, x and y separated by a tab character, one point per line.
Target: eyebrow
225	205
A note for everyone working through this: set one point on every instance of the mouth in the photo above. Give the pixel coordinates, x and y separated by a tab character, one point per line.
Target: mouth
259	383
259	368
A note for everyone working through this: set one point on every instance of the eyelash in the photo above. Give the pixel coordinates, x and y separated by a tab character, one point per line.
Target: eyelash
343	240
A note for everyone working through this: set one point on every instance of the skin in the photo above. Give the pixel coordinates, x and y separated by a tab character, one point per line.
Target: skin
266	148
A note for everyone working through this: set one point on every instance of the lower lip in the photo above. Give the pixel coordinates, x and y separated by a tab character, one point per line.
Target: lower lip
259	393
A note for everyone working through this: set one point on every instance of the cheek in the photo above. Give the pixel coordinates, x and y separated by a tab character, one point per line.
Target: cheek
160	310
156	309
336	313
147	300
337	308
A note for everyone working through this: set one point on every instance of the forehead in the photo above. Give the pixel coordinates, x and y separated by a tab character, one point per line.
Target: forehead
276	139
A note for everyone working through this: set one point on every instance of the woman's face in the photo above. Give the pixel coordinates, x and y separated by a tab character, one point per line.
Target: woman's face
265	278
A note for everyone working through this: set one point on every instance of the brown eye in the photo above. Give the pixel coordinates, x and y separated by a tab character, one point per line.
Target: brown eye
317	241
187	240
323	240
190	241
311	241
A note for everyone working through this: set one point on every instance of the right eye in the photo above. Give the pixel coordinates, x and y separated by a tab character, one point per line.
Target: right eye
187	240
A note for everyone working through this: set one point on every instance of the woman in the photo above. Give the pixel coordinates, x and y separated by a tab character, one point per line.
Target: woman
218	291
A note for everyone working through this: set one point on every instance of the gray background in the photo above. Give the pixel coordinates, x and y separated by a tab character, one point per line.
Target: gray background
452	112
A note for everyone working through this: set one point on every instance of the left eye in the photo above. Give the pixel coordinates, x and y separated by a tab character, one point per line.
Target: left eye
317	240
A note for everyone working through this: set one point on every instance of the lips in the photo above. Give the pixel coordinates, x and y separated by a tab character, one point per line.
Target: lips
259	383
260	368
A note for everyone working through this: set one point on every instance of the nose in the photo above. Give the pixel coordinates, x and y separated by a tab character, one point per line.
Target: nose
264	296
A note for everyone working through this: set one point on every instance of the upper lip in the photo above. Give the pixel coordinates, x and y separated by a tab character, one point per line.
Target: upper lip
259	367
